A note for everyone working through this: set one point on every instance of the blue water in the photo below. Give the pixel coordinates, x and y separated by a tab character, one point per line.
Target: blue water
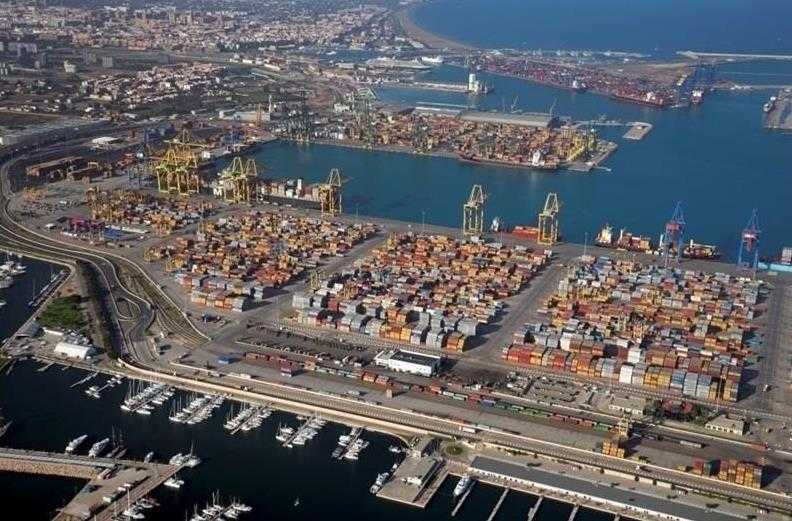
648	26
716	158
252	466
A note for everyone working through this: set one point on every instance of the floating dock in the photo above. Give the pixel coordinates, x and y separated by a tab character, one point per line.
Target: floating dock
535	508
498	505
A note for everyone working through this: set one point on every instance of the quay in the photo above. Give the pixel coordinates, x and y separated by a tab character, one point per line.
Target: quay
105	478
780	117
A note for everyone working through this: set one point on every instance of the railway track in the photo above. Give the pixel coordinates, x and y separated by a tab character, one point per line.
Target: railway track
120	278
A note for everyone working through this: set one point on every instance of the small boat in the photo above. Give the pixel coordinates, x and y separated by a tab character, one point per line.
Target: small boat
464	483
174	482
75	443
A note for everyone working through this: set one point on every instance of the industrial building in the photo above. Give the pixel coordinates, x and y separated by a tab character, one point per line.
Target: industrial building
51	131
409	362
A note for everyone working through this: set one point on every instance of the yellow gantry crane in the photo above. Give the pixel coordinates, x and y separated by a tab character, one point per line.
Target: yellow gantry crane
177	169
548	220
473	213
238	180
315	279
330	193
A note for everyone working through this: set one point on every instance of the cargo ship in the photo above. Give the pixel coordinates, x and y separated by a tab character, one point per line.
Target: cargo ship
625	240
701	251
537	162
697	96
650	99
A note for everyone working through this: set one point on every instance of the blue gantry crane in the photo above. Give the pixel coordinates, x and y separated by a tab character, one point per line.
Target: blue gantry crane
748	255
672	240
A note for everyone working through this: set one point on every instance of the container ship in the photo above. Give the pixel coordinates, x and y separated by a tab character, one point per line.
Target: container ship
625	240
650	98
696	97
537	161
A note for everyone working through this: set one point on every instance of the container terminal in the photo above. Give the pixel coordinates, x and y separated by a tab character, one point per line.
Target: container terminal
399	380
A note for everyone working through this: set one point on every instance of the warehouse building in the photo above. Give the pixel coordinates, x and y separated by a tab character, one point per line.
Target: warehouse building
629	502
727	425
632	405
74	346
525	119
409	362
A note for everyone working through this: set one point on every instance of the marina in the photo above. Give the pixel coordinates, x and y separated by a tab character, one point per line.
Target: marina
198	408
248	418
290	437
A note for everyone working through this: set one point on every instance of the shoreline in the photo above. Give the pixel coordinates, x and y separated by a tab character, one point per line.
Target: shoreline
429	39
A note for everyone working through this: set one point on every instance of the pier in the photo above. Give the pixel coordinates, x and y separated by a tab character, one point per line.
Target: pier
49	289
415	481
573	513
535	508
638	131
498	505
104	476
83	380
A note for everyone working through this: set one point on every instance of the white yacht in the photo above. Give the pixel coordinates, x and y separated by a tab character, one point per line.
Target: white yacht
174	482
462	485
97	448
75	443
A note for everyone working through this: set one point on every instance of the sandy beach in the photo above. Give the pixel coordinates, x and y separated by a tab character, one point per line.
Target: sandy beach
430	40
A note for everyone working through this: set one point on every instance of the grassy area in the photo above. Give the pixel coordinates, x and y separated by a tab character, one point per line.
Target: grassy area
63	313
454	450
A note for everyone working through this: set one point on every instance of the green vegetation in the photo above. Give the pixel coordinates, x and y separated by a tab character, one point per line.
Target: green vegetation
63	313
454	450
